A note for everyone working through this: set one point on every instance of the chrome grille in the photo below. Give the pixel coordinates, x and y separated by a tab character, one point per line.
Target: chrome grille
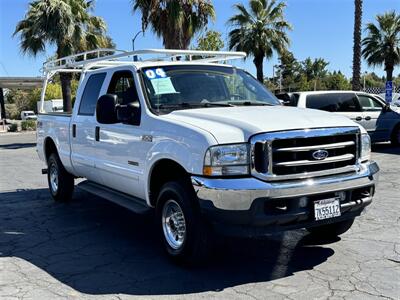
289	154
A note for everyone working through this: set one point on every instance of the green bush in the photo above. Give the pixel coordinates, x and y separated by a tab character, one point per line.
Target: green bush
28	125
13	127
12	112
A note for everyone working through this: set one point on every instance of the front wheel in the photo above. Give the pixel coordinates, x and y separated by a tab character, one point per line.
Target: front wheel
183	231
331	230
61	183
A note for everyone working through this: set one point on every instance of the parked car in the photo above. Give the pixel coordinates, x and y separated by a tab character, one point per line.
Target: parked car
28	115
207	147
381	121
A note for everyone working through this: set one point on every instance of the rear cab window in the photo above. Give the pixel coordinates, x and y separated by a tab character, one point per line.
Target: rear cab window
87	107
333	102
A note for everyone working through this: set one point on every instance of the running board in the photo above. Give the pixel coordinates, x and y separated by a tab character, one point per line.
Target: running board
130	202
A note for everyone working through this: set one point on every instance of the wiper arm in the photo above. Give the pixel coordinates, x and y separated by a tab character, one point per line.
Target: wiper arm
209	104
249	103
191	105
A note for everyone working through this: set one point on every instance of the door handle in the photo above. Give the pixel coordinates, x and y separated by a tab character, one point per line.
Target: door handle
73	130
367	118
97	133
358	119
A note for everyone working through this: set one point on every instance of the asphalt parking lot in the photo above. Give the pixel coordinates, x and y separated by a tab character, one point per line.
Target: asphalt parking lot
90	248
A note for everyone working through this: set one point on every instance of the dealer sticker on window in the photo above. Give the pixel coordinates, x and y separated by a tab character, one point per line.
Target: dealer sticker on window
327	208
155	73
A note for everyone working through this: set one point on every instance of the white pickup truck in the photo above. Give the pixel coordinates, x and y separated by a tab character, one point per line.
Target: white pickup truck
206	146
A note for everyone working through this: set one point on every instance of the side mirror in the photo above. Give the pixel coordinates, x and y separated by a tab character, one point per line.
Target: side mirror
129	113
386	108
106	109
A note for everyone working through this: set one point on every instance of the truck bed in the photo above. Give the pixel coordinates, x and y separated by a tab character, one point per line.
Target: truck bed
57	127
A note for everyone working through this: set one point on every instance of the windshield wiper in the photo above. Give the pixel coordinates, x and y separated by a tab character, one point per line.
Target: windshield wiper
191	105
250	103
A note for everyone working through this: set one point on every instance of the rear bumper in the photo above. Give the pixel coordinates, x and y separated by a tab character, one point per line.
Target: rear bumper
248	206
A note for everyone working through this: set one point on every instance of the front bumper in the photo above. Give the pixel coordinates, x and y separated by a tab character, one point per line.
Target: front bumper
249	203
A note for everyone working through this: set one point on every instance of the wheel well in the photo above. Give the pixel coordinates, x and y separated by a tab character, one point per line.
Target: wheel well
164	170
49	147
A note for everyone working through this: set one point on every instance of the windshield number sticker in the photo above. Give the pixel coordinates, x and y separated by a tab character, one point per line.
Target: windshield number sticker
155	73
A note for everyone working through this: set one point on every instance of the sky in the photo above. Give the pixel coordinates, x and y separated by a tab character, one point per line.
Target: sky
321	28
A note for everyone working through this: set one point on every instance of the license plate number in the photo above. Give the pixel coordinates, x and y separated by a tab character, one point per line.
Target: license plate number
327	208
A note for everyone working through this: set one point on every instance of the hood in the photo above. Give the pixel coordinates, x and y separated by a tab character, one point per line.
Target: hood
238	124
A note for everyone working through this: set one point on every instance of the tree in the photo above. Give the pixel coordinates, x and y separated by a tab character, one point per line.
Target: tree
382	44
289	69
210	41
175	21
357	45
68	25
336	81
259	31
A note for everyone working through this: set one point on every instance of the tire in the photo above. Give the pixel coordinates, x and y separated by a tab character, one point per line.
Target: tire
184	233
61	183
331	230
395	138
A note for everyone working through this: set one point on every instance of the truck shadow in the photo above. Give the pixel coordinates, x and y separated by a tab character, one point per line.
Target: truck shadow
98	248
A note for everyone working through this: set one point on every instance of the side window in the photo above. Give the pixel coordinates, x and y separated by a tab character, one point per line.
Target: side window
91	94
333	102
369	104
122	84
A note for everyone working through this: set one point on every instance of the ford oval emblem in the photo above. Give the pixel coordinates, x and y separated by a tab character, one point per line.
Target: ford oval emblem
320	154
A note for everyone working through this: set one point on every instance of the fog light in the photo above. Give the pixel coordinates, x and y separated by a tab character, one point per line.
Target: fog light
341	195
303	202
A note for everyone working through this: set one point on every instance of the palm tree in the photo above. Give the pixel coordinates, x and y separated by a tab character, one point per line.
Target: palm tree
68	25
357	45
259	31
382	44
175	21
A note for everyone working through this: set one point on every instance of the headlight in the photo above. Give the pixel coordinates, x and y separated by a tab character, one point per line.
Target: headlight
365	147
227	160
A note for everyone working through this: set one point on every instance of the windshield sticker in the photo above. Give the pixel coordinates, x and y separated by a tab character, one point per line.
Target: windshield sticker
155	73
163	86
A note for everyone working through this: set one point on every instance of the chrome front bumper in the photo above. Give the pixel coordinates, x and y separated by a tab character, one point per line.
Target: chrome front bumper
238	194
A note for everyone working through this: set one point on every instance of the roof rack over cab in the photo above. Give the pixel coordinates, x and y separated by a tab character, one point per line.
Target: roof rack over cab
101	58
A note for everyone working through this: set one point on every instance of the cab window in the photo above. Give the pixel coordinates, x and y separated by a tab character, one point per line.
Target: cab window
90	94
122	84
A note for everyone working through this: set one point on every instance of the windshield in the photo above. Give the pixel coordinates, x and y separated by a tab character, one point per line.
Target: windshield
183	87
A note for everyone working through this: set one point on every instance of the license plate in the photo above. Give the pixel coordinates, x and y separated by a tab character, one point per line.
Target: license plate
327	208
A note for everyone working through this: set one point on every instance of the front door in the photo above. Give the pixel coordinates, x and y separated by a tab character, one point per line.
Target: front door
375	120
121	152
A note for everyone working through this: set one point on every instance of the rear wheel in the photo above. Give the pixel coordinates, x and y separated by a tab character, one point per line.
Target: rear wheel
61	183
331	230
395	139
182	230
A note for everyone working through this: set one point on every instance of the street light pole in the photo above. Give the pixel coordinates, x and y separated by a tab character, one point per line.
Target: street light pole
133	44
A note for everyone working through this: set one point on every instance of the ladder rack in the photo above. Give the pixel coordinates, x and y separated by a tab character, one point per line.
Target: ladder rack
108	57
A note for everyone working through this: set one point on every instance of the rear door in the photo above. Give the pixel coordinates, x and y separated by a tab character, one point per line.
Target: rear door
83	131
345	104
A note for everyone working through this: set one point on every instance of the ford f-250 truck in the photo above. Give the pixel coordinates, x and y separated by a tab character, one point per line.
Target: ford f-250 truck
206	146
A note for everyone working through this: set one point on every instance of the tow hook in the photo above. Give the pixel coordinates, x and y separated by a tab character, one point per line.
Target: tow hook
44	171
